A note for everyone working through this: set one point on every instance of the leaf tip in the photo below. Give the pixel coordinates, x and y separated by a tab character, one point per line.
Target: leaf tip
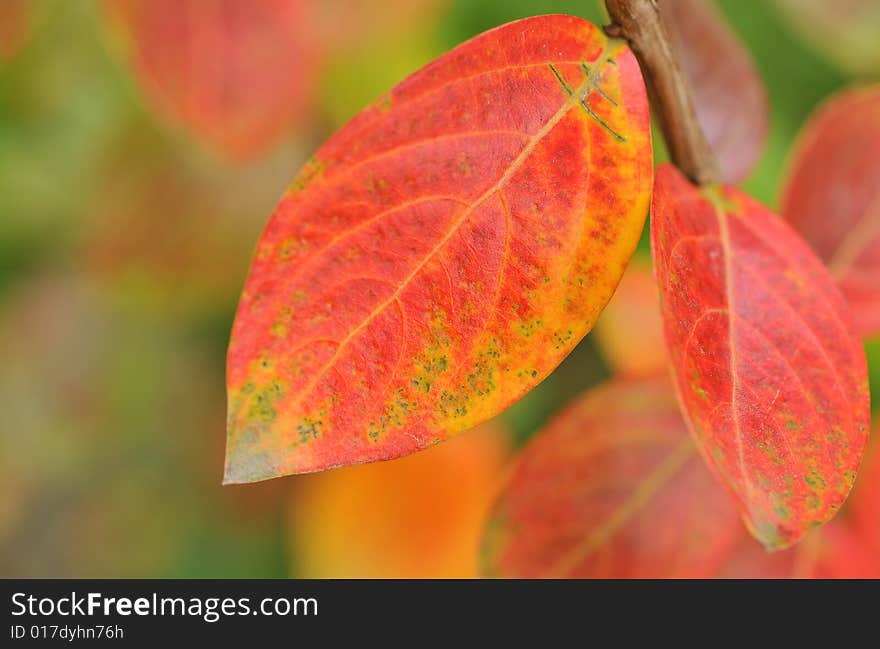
767	534
774	537
245	460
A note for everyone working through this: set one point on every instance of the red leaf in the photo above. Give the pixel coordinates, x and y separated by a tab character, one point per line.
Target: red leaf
239	74
847	548
728	92
612	487
776	395
834	552
442	253
864	508
833	197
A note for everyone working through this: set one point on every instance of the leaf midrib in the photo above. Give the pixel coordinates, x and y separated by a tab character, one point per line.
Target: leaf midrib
714	198
666	470
512	169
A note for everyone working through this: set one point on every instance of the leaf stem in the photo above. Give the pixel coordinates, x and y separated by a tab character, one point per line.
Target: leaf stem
639	22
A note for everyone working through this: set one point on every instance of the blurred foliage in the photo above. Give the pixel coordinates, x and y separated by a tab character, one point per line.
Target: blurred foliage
421	514
847	32
124	241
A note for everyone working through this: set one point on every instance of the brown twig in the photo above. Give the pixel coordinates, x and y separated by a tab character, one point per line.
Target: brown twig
639	22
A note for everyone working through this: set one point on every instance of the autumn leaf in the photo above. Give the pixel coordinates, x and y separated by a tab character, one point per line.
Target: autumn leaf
419	517
864	508
239	74
848	32
728	92
772	378
612	487
846	548
832	197
442	253
629	332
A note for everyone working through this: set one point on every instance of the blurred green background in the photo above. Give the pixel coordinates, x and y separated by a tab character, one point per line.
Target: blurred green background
124	241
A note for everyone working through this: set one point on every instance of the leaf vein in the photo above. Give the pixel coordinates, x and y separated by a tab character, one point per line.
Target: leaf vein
511	170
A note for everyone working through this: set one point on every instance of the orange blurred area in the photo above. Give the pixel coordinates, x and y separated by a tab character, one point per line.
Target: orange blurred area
630	331
416	517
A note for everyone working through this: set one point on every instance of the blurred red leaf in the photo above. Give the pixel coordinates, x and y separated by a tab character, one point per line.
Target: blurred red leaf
614	487
630	331
728	92
773	380
239	74
442	253
832	197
